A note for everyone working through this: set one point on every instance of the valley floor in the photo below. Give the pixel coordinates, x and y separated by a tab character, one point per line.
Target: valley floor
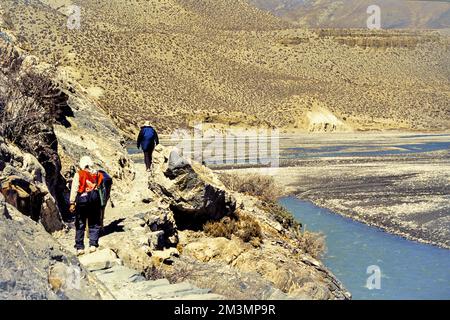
399	182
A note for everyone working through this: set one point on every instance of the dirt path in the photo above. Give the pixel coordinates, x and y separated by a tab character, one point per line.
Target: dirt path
130	203
125	283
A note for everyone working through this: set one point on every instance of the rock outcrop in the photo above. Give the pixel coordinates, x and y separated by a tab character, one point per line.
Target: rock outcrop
194	194
49	115
31	102
23	184
91	132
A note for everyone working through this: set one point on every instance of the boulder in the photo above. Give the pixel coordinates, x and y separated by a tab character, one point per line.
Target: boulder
166	256
100	260
176	164
163	229
156	240
214	249
224	280
192	192
128	248
24	186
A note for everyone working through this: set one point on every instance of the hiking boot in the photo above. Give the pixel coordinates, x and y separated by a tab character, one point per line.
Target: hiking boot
80	252
92	249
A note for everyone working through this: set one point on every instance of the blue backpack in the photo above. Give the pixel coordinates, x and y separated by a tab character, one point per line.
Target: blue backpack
104	189
147	138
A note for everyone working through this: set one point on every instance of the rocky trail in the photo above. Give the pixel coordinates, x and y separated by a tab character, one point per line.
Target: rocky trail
128	284
123	282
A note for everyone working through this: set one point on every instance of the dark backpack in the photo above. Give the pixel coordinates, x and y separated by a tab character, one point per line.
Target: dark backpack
88	198
105	188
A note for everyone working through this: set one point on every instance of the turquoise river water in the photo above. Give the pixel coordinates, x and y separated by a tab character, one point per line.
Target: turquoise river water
409	270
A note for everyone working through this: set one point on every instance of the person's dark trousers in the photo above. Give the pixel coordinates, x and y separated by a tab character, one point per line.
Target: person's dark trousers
92	215
148	158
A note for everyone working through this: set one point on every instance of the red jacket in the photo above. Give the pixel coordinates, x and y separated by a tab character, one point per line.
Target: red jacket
89	181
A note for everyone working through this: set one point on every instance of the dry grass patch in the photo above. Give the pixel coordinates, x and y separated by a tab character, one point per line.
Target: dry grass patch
281	215
265	189
154	273
242	226
262	187
313	243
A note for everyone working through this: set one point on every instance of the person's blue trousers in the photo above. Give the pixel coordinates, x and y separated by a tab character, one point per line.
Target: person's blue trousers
91	214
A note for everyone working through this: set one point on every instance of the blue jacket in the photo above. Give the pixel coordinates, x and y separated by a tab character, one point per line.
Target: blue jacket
148	139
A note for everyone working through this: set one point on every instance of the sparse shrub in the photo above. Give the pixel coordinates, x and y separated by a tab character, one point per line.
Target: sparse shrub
248	229
260	186
153	273
242	226
16	118
180	248
281	215
266	189
313	243
28	105
179	274
223	228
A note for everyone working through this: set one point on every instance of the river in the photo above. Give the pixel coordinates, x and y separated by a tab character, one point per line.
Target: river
409	270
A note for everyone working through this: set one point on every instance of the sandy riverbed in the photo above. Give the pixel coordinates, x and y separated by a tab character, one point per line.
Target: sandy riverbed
406	192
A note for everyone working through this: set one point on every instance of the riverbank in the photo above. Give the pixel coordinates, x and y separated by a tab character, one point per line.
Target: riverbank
398	182
408	269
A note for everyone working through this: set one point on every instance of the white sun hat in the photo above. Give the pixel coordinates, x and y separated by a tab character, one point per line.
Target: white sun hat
86	162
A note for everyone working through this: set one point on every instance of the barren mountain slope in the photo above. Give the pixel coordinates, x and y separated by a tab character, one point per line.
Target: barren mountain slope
352	13
176	61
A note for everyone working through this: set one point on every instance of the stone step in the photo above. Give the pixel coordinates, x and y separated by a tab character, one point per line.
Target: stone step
119	276
170	289
100	260
161	290
128	284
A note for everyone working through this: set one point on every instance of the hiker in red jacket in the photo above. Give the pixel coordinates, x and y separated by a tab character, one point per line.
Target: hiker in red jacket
86	204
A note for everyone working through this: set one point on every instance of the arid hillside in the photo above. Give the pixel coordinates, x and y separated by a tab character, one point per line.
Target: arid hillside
353	13
179	61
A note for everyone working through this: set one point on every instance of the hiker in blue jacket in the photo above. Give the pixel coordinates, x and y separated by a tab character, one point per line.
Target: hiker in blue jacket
147	141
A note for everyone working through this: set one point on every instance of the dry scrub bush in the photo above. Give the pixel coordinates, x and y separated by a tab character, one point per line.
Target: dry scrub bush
242	226
313	243
18	117
28	106
265	189
154	273
260	186
281	215
180	273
